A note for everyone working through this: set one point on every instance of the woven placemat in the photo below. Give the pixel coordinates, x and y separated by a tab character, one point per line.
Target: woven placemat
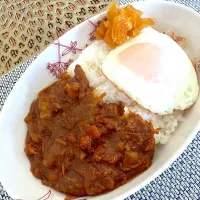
180	181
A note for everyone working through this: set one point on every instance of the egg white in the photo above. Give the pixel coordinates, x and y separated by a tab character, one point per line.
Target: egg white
179	92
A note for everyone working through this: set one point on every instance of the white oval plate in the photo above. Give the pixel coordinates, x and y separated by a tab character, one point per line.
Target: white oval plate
15	172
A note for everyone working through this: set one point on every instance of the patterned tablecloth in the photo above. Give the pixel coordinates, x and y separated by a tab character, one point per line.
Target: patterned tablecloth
180	181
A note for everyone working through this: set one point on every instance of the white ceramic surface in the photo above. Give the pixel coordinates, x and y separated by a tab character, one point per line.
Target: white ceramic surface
15	172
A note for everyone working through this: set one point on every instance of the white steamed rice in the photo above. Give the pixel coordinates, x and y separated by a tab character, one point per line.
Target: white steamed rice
91	60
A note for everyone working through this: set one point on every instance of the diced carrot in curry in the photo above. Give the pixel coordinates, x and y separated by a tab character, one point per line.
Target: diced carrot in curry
72	90
93	132
85	142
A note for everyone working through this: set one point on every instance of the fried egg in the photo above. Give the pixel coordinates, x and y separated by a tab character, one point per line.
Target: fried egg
153	71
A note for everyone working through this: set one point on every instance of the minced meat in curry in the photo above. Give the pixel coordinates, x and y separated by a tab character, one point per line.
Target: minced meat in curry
79	145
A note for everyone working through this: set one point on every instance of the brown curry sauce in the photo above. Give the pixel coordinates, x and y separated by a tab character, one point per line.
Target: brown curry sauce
79	145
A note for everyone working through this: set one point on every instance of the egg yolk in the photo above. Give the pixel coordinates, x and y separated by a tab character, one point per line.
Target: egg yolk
143	59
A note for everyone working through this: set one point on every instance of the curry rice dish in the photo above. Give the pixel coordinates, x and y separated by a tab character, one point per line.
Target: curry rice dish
96	128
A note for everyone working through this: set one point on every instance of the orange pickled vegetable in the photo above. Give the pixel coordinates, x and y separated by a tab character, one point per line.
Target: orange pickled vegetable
113	11
121	23
121	26
101	31
108	39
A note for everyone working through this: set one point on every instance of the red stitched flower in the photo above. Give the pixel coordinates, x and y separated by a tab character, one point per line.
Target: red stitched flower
71	48
56	68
